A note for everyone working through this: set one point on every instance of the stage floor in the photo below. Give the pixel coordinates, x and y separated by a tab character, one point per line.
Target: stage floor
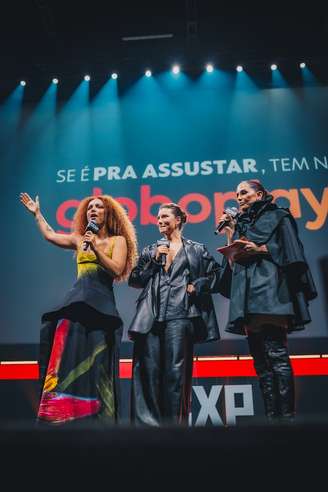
257	457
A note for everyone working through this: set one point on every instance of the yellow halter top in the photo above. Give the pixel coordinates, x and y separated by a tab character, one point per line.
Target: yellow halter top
87	261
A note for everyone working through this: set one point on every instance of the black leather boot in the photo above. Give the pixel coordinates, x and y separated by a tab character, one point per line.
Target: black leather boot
265	374
275	343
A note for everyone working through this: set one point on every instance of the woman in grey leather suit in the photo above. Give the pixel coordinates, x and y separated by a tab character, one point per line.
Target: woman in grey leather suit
174	310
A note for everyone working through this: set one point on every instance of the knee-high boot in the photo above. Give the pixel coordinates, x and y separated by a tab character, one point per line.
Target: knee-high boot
275	343
265	374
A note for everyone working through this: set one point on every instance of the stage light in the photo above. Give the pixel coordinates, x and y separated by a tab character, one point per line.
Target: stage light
114	76
209	68
176	69
87	78
274	66
302	65
239	68
55	81
148	73
23	83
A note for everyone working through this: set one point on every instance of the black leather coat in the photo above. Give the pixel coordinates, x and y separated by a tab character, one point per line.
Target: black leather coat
279	283
204	275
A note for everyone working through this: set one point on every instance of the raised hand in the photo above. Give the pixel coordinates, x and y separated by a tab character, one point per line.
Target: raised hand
68	241
32	206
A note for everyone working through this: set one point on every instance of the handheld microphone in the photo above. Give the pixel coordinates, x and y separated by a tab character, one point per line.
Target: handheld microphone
93	227
163	242
233	212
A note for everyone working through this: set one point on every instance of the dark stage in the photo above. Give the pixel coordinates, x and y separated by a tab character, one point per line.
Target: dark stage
257	457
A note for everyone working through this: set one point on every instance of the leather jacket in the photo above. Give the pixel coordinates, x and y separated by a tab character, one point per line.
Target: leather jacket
204	275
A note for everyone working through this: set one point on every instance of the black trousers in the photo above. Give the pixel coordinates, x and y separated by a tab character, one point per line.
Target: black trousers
162	374
273	368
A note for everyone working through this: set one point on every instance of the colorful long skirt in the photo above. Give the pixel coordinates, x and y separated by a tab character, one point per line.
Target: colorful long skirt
79	373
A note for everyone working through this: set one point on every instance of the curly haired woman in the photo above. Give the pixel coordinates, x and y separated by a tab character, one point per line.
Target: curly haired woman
79	338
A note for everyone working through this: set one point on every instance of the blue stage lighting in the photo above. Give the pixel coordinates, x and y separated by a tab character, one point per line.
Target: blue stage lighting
148	73
87	78
209	68
114	75
274	66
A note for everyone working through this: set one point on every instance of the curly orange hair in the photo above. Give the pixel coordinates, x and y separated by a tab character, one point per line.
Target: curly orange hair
118	224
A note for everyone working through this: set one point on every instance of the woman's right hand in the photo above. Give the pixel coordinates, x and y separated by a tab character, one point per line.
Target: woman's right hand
161	250
229	229
32	206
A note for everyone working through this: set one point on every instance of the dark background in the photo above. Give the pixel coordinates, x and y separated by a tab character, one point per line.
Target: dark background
41	39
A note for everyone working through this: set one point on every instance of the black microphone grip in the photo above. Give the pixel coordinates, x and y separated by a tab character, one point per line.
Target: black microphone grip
233	212
94	228
162	257
221	225
85	245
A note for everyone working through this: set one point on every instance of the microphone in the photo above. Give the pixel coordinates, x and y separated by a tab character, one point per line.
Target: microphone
93	227
163	242
233	211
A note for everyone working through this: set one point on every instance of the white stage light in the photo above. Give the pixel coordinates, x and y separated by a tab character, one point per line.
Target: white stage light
302	65
239	68
176	69
148	73
209	68
23	83
114	76
55	81
87	78
274	66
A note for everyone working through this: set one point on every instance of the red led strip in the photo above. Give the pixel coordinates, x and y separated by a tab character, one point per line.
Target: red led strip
25	370
209	368
216	368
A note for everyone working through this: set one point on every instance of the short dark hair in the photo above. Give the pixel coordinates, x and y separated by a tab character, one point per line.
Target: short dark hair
177	211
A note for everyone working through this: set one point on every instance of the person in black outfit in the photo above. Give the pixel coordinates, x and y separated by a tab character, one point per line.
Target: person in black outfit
174	310
269	284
